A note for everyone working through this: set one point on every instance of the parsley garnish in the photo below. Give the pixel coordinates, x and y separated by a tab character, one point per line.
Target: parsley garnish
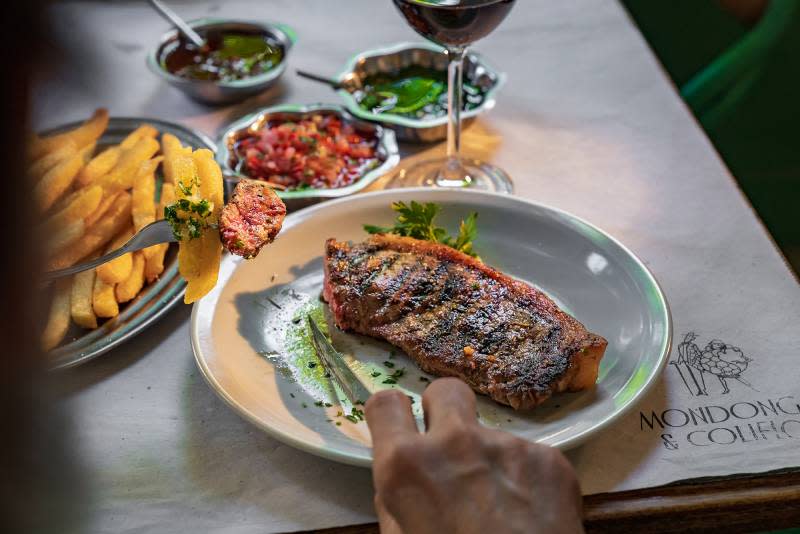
188	218
392	378
417	220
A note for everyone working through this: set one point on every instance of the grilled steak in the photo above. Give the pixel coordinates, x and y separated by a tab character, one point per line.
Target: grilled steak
251	219
457	317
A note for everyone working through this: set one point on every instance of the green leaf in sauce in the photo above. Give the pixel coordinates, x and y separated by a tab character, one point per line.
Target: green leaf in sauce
415	92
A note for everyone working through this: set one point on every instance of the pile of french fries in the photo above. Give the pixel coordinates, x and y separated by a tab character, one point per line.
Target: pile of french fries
93	202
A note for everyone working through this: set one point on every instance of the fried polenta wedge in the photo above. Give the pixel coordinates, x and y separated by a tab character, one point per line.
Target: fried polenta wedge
99	165
82	204
85	134
145	130
121	177
143	206
198	181
102	208
104	303
64	235
171	148
40	167
130	287
115	271
154	256
81	308
97	235
58	319
57	180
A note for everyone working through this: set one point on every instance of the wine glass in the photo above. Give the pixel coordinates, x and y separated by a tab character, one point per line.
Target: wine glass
454	24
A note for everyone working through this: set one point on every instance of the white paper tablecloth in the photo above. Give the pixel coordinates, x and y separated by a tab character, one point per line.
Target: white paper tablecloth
590	124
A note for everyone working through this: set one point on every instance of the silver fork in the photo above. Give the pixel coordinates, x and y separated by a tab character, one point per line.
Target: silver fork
152	234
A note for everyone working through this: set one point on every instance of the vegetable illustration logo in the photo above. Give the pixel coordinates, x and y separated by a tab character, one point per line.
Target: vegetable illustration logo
717	359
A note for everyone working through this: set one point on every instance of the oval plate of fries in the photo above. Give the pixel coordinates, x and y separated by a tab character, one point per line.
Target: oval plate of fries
97	183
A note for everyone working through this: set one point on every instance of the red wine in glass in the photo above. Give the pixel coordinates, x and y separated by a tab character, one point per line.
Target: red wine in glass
454	24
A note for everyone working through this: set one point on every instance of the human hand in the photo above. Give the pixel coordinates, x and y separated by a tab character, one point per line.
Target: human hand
461	477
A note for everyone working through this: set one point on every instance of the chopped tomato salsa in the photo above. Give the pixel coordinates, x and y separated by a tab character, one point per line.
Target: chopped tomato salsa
320	152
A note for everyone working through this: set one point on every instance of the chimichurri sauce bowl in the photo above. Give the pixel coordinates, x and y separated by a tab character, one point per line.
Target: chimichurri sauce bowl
414	92
404	87
240	59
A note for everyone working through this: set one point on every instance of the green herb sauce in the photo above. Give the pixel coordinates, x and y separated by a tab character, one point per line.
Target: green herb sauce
415	92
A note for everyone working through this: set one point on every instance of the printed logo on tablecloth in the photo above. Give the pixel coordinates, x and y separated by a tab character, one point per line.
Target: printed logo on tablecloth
716	360
713	377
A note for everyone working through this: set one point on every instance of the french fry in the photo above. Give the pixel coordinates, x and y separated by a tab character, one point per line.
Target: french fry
64	235
143	207
84	202
104	303
85	134
112	222
58	179
58	319
145	130
65	200
99	165
130	287
198	259
121	177
105	205
40	167
154	256
171	148
118	269
80	303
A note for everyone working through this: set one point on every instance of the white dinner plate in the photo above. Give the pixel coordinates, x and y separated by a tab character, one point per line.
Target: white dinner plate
248	341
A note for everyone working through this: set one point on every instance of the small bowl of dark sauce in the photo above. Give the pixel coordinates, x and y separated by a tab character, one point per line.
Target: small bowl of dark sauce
240	59
404	87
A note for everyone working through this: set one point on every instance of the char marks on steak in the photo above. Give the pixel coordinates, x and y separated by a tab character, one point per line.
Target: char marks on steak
457	317
251	219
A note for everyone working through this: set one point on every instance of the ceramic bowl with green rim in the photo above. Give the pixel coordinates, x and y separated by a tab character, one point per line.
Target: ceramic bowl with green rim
393	59
154	300
387	151
225	91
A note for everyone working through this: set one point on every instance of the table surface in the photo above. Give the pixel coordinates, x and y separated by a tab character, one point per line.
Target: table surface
589	123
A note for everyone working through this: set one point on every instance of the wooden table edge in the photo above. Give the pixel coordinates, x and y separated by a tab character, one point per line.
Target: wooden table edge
739	503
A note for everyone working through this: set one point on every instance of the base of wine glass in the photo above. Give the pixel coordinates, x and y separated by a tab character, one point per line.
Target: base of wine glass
477	175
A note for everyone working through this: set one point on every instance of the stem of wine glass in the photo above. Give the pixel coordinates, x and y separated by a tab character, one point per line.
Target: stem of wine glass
453	174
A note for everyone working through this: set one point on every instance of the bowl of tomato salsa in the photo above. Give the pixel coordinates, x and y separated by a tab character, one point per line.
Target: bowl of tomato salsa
307	153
